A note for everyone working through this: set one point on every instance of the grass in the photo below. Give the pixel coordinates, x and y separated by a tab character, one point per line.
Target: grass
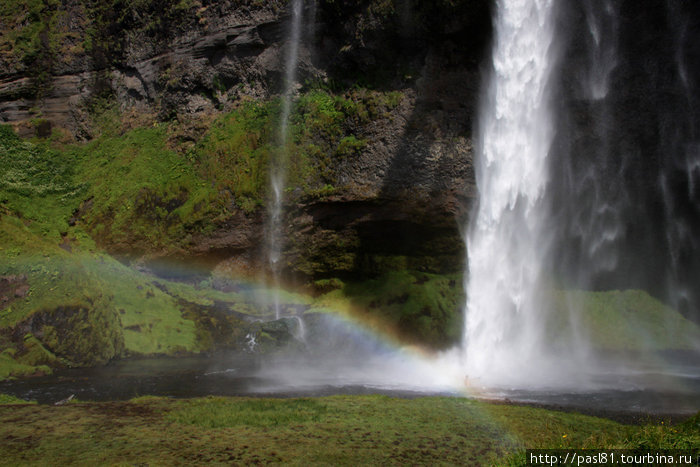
11	368
229	413
235	153
136	195
95	308
131	189
129	192
338	430
143	196
37	184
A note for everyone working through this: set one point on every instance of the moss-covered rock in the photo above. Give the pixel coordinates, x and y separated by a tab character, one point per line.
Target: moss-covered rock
35	354
81	333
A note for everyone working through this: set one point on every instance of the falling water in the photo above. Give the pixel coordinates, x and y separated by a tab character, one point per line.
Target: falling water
588	236
684	140
601	18
627	213
587	171
274	240
508	237
300	330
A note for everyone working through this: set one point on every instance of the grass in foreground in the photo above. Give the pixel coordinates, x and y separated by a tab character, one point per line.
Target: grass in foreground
344	430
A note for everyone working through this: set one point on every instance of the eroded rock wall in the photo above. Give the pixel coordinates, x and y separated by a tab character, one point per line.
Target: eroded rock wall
398	202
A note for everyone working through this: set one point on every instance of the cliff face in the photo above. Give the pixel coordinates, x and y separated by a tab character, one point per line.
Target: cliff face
173	58
398	196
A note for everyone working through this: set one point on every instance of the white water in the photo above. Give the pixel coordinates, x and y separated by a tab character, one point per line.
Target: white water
274	240
507	241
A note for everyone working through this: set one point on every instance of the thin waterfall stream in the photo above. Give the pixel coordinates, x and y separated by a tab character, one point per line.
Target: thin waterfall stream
278	164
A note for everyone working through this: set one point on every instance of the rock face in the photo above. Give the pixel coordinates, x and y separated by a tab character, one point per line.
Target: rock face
399	203
150	72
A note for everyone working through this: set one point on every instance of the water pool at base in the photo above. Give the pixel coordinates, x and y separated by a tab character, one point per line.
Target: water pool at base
630	395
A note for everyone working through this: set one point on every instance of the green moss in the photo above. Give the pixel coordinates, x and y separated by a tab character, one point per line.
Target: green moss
38	184
423	308
323	255
327	285
136	195
349	145
151	319
143	195
31	35
11	368
326	126
88	309
35	354
236	151
130	194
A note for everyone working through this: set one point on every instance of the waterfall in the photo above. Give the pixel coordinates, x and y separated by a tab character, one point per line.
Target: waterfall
601	19
278	164
627	213
682	234
587	167
507	241
591	233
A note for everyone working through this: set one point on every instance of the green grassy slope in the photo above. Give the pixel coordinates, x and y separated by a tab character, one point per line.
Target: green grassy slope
628	320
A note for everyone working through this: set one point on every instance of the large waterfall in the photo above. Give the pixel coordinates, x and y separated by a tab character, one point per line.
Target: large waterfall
587	168
508	236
